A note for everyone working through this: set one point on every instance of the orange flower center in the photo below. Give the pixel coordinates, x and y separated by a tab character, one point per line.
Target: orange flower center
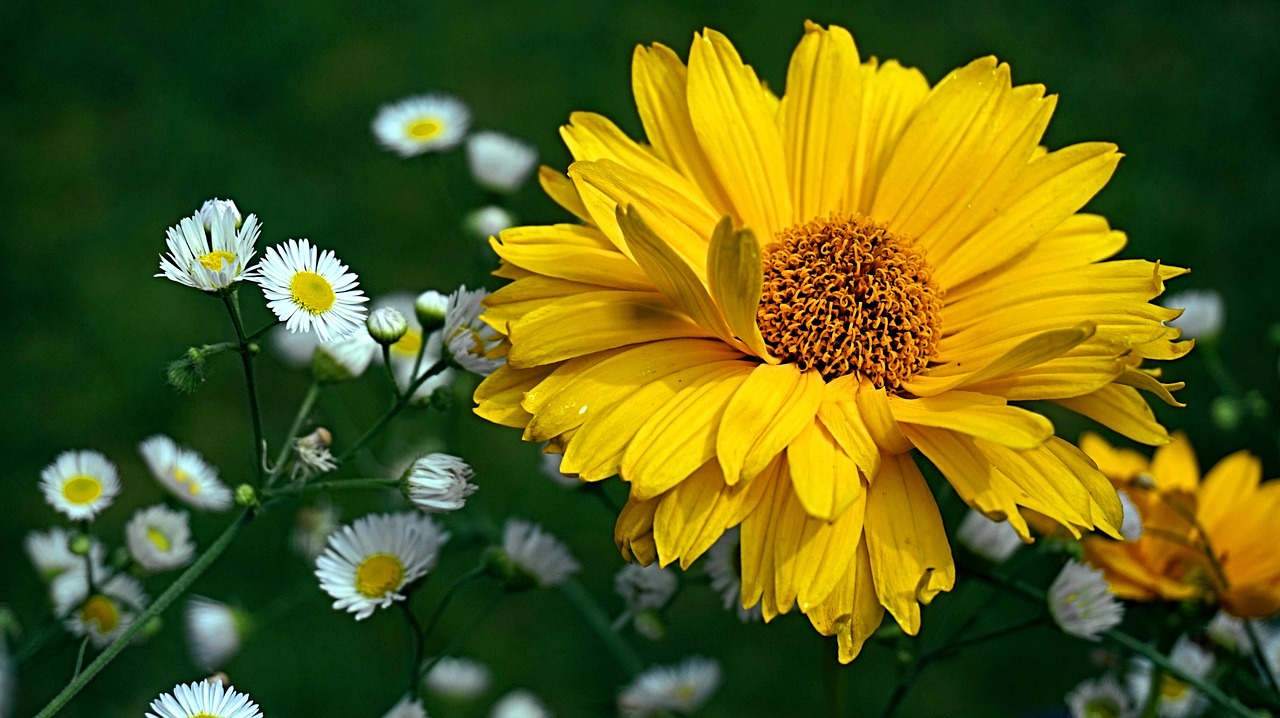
844	295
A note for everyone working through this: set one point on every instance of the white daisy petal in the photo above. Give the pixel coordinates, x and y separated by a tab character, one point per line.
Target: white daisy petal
159	538
368	563
425	123
723	566
50	552
537	553
498	162
102	614
1081	602
215	632
472	343
80	484
488	221
439	483
1202	315
681	688
310	290
408	707
458	678
519	703
204	700
995	541
645	587
185	474
1177	699
211	249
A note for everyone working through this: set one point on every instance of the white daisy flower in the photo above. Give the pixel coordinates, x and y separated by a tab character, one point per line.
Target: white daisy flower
204	699
1098	698
995	541
473	344
1131	526
50	552
215	631
439	483
408	707
312	528
159	538
458	678
424	123
185	474
519	703
211	249
488	221
1177	699
313	455
681	688
1229	632
1081	602
538	554
551	469
645	587
500	163
1203	313
343	359
102	614
310	290
723	565
367	563
80	484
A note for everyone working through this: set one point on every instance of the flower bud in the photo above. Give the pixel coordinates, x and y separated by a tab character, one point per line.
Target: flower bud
438	483
211	208
488	221
386	325
431	306
187	373
498	162
246	495
80	544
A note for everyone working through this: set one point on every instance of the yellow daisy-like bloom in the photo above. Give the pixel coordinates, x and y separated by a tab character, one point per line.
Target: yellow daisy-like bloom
766	308
1232	515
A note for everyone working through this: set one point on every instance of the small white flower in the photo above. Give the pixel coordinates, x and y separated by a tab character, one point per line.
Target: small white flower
458	678
159	539
537	553
1099	697
1229	632
204	699
80	484
312	529
310	290
645	587
488	221
499	163
1177	699
519	704
103	614
313	455
215	632
995	541
681	688
473	344
723	565
1131	526
185	474
386	325
50	552
211	249
429	308
439	483
408	707
1203	313
425	123
1081	602
367	563
212	208
551	469
343	359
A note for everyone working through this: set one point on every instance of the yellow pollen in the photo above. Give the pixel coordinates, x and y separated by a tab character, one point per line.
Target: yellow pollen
1172	689
82	489
424	128
102	611
408	344
378	575
214	261
312	292
157	537
844	295
182	478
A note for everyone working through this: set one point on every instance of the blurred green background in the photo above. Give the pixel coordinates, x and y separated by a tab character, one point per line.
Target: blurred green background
120	118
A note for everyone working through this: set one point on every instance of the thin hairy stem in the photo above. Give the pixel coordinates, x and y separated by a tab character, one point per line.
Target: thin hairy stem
257	334
390	372
464	635
335	484
229	297
416	639
80	657
304	410
600	624
395	409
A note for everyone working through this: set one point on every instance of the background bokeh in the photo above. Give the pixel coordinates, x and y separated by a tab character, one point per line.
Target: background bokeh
119	118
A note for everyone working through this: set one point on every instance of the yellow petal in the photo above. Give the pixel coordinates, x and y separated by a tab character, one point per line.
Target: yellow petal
697	511
557	251
827	548
499	396
735	125
824	477
979	415
1029	352
633	532
512	302
1119	465
757	543
891	94
734	272
873	406
907	544
561	190
823	94
772	406
840	415
1174	466
973	476
591	138
1227	486
1121	409
1142	380
1082	369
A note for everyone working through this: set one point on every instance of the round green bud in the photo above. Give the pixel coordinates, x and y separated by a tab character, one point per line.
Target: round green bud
431	307
386	325
246	495
80	545
1226	412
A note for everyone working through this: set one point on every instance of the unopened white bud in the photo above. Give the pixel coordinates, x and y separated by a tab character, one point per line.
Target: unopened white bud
211	208
387	325
431	307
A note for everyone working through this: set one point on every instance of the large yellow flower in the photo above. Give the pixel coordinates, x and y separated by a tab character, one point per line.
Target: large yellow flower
766	308
1232	516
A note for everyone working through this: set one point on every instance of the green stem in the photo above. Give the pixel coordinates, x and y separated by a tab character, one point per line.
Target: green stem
1261	660
336	484
464	636
304	410
417	639
260	331
171	594
1151	704
449	593
1218	370
395	409
984	637
599	623
80	657
391	372
246	358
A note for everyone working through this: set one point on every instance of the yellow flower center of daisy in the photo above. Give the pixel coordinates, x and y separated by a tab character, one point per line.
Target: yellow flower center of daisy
101	611
82	489
378	575
157	537
424	128
408	344
312	292
214	261
1172	689
844	295
1101	708
182	478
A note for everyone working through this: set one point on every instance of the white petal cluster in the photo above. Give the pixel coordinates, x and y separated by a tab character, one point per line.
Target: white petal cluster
500	163
159	538
537	552
204	699
1203	313
185	474
645	587
458	678
488	221
1131	525
681	688
50	552
439	483
368	563
80	484
1100	697
215	632
519	703
211	249
472	343
995	541
343	359
1177	699
423	123
102	614
1081	602
722	566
